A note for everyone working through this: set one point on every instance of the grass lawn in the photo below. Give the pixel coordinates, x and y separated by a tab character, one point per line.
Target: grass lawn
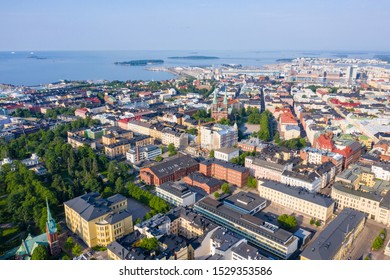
8	233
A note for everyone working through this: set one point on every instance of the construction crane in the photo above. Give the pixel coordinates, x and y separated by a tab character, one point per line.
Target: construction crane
199	133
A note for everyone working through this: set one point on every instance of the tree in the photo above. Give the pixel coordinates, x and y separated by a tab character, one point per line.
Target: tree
171	149
217	195
150	244
77	250
318	223
159	158
107	192
40	253
287	221
66	258
378	243
252	182
211	155
69	244
225	188
312	221
120	186
137	221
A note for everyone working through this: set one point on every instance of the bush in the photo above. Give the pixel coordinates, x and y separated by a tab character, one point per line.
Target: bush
99	248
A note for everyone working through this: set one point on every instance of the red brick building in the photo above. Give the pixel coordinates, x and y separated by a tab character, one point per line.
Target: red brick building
171	169
231	173
208	184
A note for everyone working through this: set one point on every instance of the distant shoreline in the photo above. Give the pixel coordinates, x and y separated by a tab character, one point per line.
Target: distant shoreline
140	62
194	57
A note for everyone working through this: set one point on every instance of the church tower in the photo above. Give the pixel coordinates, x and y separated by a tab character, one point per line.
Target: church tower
51	232
219	111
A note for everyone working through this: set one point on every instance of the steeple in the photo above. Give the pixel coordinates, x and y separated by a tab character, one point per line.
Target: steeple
215	100
51	223
225	101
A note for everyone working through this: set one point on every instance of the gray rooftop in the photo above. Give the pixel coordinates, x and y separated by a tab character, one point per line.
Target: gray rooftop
248	201
225	164
227	150
117	217
349	190
177	189
91	206
329	241
224	239
268	164
172	165
248	252
300	193
247	221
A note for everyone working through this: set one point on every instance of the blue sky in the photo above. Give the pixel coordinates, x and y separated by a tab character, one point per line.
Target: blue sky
195	25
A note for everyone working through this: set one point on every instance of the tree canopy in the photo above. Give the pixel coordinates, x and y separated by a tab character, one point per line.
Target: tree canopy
287	221
40	253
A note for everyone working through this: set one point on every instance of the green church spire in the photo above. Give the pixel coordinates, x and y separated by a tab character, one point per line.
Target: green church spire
51	223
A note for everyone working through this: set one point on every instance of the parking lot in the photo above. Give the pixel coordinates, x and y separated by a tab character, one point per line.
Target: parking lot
137	209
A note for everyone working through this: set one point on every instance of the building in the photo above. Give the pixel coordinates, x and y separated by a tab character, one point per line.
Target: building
98	221
179	139
216	136
231	173
176	193
226	154
219	110
140	153
222	244
207	184
314	205
119	148
337	238
311	181
245	251
316	156
171	169
274	240
266	169
376	207
139	127
251	145
381	170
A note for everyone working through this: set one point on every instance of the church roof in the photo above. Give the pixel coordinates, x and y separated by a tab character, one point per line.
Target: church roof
29	244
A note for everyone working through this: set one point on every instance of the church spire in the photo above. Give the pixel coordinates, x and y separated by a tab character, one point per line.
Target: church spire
225	101
215	100
50	223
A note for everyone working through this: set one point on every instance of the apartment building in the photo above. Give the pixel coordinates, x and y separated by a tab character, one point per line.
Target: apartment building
179	139
311	155
98	221
119	148
207	184
313	205
218	136
337	238
266	169
376	207
231	173
311	181
139	127
381	170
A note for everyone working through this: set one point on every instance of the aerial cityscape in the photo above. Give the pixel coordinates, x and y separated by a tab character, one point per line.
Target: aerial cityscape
194	155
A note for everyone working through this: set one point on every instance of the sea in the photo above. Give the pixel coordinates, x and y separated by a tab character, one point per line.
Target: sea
35	68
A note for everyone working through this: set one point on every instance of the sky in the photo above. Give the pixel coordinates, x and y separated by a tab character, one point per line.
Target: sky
350	25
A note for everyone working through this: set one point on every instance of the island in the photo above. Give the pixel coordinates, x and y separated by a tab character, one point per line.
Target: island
33	56
141	62
194	57
285	60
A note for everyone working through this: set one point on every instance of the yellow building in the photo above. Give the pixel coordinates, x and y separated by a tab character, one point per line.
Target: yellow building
337	238
96	220
119	148
374	205
311	204
368	179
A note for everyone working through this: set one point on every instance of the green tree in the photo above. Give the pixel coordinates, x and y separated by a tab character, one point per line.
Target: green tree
217	195
171	149
150	244
107	192
120	186
69	244
312	221
40	253
66	258
252	182
211	155
137	221
287	221
77	250
378	243
318	223
225	188
159	158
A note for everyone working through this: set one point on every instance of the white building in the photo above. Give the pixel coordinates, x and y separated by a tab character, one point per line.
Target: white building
218	136
226	154
381	171
143	153
176	194
179	139
312	182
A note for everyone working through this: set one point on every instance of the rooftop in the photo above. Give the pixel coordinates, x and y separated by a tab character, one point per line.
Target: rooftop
225	164
172	165
329	241
301	193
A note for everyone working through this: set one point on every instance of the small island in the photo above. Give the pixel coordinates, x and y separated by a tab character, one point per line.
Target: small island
141	62
33	56
285	60
194	57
